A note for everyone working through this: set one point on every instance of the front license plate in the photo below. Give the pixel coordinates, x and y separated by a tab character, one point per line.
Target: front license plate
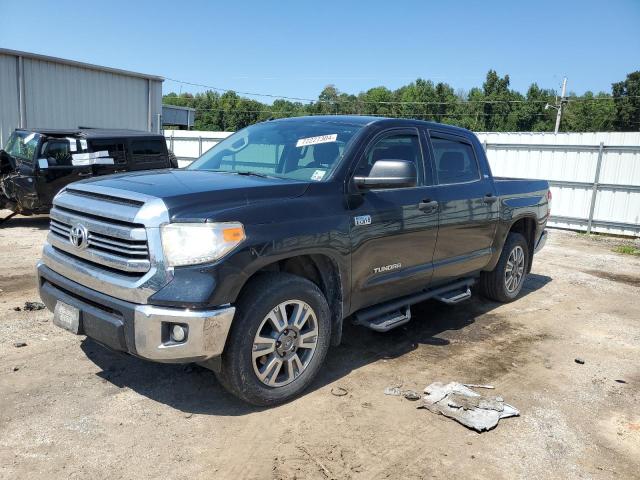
67	317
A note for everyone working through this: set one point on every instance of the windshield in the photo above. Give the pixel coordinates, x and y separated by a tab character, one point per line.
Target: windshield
305	150
22	145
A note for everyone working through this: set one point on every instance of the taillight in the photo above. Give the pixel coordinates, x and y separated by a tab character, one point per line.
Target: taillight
549	198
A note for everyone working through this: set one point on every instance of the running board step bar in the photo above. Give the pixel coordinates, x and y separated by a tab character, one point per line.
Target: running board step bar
387	321
454	296
394	313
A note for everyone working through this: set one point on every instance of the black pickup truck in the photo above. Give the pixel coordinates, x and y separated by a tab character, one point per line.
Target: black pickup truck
37	163
250	260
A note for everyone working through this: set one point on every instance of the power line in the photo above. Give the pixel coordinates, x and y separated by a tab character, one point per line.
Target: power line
394	102
296	112
219	89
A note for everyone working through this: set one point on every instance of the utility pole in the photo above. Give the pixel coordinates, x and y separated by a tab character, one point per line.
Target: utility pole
559	104
562	101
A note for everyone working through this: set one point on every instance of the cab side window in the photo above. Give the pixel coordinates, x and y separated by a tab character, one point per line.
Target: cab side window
403	146
455	161
57	153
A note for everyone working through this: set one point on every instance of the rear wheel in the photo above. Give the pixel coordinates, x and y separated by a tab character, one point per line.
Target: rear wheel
278	340
505	281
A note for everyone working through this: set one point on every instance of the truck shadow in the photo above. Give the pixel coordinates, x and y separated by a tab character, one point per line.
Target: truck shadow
193	389
41	222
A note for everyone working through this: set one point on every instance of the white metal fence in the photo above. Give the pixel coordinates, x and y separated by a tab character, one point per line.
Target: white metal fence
188	145
594	177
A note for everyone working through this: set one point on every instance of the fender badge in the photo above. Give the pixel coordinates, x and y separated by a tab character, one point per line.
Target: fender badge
387	268
362	220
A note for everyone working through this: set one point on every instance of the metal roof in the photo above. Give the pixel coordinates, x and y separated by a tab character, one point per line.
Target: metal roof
178	107
90	133
73	63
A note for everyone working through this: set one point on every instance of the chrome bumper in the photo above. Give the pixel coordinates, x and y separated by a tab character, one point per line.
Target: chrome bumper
206	333
141	330
541	242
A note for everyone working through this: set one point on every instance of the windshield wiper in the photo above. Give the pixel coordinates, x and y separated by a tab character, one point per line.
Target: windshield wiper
251	174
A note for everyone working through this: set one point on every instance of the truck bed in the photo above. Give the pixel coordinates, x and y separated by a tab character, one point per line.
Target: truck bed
513	186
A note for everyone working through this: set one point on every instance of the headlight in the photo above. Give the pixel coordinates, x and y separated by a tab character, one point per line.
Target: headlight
194	243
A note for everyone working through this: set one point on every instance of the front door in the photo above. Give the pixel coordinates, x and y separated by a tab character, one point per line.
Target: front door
56	168
393	231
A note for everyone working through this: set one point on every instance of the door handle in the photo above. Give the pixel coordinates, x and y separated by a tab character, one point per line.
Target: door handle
428	205
85	174
490	198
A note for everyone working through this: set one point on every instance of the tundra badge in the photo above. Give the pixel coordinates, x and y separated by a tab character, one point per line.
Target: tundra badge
362	220
387	268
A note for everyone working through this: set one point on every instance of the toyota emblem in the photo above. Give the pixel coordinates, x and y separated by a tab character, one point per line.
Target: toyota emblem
78	236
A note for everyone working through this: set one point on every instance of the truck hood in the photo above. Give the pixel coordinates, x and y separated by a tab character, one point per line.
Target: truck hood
200	194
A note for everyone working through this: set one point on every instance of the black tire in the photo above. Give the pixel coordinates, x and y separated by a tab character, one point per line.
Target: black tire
493	284
261	295
173	160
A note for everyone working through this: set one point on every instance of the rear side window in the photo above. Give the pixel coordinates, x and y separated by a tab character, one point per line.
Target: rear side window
116	149
455	161
148	153
146	147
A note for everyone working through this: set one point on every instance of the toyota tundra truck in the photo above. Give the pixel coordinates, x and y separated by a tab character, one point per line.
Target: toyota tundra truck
250	260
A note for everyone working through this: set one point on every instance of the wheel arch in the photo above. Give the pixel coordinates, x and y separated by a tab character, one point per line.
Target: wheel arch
526	226
322	270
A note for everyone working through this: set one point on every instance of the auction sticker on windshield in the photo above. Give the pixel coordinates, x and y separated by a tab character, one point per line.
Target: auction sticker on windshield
318	175
303	142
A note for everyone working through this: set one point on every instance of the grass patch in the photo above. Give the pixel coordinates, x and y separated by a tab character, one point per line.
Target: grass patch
627	250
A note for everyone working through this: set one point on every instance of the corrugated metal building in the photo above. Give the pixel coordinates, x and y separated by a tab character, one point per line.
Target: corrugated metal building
41	91
178	116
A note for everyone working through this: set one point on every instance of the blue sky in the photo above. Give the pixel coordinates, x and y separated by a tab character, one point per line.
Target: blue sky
295	48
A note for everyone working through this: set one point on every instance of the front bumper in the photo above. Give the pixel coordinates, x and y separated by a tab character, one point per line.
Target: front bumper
141	330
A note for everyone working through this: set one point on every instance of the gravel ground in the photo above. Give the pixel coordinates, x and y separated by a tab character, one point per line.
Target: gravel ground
71	409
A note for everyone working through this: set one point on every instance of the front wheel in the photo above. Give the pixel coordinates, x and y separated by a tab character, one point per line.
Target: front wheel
278	340
505	281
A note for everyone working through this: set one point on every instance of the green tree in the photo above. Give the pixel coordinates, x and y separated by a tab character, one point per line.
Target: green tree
531	116
589	113
494	107
626	97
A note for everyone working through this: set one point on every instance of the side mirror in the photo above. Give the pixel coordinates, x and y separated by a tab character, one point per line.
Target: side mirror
389	174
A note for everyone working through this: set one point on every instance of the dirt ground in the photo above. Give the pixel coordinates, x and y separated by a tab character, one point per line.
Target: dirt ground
71	409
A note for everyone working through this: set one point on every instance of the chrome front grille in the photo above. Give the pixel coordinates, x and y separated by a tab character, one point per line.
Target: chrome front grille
111	243
108	250
121	252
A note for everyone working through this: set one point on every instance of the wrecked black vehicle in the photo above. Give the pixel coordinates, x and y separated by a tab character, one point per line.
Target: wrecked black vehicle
36	164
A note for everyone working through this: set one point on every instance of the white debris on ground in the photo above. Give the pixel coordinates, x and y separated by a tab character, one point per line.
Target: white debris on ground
475	411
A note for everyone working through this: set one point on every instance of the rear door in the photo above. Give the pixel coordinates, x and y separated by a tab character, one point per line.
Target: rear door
468	207
393	234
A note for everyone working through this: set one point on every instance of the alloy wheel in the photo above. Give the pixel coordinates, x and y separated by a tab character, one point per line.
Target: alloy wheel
514	270
285	343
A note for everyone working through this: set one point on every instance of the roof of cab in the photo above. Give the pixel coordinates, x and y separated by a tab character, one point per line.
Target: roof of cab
344	119
363	120
90	133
